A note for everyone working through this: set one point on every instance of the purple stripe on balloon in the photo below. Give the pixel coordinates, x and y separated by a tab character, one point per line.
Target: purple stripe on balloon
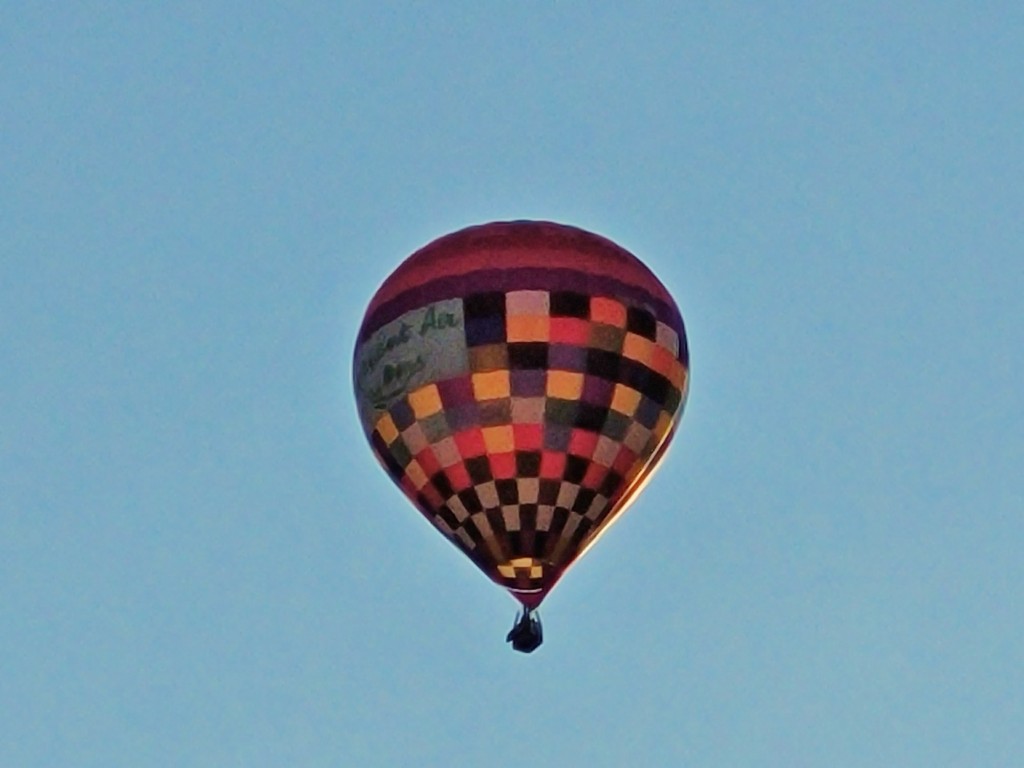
597	391
402	415
556	437
566	357
526	278
463	417
528	382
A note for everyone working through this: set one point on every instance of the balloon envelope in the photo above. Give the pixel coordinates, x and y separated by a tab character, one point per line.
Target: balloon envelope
519	381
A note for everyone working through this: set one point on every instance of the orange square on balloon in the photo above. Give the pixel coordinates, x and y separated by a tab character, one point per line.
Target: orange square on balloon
677	375
638	348
491	385
425	401
565	385
527	327
387	429
498	439
625	399
415	473
608	311
662	361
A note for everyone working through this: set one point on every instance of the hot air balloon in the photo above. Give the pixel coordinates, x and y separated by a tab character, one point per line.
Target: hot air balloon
520	382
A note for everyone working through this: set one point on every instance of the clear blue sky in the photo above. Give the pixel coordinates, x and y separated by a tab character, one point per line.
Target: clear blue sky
201	564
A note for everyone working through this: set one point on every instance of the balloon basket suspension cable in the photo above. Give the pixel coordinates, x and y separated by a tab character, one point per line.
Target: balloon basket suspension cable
527	634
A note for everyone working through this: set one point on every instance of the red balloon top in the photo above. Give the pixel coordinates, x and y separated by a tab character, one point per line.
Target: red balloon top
518	245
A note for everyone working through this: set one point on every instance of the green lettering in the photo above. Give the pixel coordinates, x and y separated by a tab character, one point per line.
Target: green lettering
437	321
429	321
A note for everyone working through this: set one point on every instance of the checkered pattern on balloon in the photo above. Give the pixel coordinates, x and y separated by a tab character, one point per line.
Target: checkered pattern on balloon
520	386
